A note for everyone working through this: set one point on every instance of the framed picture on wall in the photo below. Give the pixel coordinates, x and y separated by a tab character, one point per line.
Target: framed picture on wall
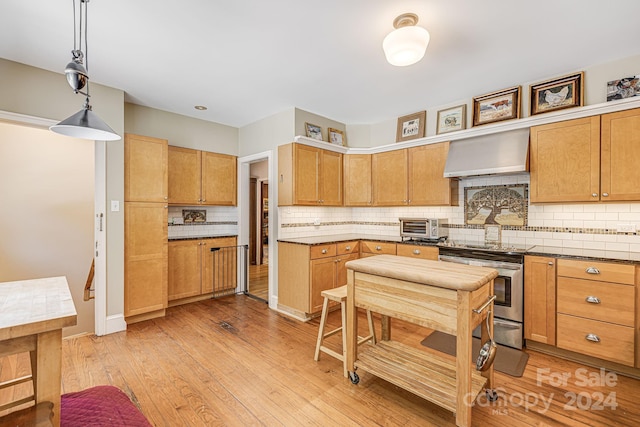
497	106
313	131
452	119
411	126
557	94
336	137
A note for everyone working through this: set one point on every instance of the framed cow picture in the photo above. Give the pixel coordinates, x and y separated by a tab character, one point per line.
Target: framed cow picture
497	106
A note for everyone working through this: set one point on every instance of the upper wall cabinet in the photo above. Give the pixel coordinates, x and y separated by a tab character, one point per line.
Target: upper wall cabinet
145	169
586	160
414	177
309	176
201	178
357	180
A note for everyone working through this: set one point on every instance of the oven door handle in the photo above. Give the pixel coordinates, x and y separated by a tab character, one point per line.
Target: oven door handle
505	325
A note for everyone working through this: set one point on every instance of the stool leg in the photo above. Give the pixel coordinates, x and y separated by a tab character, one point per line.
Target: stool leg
33	355
343	308
323	320
372	330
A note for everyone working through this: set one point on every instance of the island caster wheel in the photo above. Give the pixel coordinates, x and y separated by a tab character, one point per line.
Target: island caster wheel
355	379
492	396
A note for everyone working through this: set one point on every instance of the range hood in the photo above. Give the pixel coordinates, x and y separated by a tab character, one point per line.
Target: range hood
499	153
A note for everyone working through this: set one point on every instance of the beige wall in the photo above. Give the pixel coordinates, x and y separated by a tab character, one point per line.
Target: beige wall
40	93
181	131
46	214
266	134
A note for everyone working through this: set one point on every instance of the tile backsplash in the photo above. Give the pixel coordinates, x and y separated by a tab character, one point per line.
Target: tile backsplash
221	220
589	225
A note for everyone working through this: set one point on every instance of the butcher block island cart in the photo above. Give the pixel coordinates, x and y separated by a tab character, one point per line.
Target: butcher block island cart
442	296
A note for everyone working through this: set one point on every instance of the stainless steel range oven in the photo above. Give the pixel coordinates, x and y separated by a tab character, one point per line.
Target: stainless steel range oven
508	286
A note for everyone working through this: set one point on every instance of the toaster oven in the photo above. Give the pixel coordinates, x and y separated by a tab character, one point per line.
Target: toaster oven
423	228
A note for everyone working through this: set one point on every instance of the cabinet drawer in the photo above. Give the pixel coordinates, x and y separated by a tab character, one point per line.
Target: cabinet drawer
379	248
345	248
417	251
590	270
610	302
615	341
323	251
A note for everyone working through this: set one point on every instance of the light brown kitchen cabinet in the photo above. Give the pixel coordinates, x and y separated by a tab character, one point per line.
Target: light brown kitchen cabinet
145	254
414	177
540	299
417	251
620	151
596	309
306	270
357	180
201	178
427	185
192	269
371	248
309	176
145	169
586	160
390	172
145	227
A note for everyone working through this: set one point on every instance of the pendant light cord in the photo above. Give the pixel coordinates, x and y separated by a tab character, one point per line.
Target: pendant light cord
86	44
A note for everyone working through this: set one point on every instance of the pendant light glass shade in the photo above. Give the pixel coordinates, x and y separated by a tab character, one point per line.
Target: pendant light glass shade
408	43
86	124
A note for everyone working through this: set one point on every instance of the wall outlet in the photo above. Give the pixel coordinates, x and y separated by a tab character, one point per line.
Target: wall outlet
115	206
626	228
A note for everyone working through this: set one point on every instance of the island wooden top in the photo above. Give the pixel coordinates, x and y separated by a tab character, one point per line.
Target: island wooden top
434	273
30	307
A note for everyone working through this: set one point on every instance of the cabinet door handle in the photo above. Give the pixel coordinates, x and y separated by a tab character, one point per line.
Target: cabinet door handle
166	198
594	194
592	270
378	248
593	300
605	194
592	338
416	251
324	251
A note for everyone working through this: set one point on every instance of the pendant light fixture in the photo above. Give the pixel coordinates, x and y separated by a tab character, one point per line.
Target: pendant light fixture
406	44
84	124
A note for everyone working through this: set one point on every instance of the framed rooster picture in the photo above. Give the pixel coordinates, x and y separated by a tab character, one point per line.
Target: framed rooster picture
557	94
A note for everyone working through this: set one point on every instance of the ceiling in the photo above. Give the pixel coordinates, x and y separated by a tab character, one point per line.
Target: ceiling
249	59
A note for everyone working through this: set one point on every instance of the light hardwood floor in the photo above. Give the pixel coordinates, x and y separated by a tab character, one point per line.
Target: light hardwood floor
234	362
259	281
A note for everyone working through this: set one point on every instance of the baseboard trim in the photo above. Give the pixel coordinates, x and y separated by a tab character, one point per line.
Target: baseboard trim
115	323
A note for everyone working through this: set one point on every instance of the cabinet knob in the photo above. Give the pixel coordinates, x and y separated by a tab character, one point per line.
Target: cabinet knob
166	207
594	194
324	251
593	300
348	248
592	270
605	194
404	201
592	338
550	263
378	248
409	201
416	251
369	202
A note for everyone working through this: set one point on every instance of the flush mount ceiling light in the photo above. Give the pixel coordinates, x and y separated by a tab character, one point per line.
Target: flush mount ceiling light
85	123
406	44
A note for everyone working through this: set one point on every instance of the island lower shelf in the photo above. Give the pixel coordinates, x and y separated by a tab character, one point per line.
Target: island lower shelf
425	374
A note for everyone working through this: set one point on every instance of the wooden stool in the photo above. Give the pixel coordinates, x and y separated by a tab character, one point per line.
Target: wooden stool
339	295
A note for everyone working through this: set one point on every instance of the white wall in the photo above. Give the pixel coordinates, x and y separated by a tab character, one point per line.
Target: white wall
47	209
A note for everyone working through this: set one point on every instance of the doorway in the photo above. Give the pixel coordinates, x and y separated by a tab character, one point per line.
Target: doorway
258	283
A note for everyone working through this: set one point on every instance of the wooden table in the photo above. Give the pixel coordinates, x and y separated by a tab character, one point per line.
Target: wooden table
433	294
32	315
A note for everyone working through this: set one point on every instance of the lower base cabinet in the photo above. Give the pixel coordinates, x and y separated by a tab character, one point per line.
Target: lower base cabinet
306	270
192	269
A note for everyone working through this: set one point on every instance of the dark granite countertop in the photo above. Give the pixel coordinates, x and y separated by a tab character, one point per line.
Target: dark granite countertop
201	237
540	250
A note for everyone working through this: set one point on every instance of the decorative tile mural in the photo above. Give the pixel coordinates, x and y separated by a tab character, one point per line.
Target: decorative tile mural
497	204
194	215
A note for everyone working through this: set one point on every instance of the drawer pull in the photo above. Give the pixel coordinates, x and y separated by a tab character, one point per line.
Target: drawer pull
593	300
378	248
324	251
592	338
348	248
592	270
416	251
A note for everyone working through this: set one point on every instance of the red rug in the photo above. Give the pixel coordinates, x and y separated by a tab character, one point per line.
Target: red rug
100	406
